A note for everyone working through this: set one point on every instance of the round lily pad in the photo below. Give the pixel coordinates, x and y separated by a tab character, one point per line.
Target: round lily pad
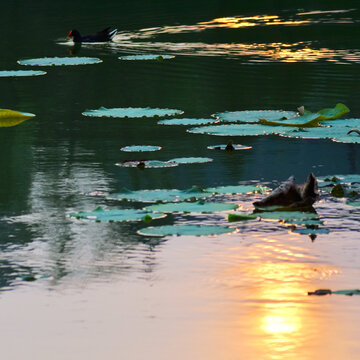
147	164
191	207
191	160
238	130
187	121
249	116
172	195
140	148
194	230
237	189
147	57
287	215
116	215
336	179
224	147
16	73
60	61
131	112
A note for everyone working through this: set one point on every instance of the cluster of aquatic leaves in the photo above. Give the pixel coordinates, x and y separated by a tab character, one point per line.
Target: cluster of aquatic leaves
160	195
60	61
16	73
309	119
238	189
147	57
252	116
342	186
194	230
187	121
148	164
192	207
131	112
11	117
324	124
116	215
140	148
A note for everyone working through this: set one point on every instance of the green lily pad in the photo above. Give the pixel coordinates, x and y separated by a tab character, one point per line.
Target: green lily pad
194	230
172	195
355	203
238	130
191	207
16	73
337	130
311	119
250	116
147	164
224	147
147	57
191	160
187	121
131	112
287	216
241	217
237	189
140	148
311	231
116	215
60	61
347	292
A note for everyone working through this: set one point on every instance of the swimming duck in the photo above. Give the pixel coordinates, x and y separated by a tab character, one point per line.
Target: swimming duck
101	36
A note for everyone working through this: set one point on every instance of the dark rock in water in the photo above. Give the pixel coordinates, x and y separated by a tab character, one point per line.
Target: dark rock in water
292	195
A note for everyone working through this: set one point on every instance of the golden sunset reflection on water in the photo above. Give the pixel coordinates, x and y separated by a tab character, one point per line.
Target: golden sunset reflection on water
277	319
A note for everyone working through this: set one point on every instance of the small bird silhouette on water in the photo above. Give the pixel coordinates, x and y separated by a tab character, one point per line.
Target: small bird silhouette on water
101	36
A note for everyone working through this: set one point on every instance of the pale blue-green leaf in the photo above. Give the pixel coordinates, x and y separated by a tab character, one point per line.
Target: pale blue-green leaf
355	203
191	160
239	130
60	61
187	121
147	164
250	116
140	148
236	189
146	57
15	73
158	195
132	112
192	207
194	230
115	215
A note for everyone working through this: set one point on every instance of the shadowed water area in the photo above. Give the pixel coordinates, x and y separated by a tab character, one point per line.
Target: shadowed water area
75	288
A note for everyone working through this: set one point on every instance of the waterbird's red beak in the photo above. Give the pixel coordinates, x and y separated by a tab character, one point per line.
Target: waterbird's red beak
70	33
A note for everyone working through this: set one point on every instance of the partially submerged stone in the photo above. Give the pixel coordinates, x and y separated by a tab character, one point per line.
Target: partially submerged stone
292	195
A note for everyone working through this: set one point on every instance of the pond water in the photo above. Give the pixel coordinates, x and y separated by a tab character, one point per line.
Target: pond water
75	289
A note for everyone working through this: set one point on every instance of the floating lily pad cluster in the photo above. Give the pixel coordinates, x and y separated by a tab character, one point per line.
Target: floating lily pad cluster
140	148
342	186
324	124
20	73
